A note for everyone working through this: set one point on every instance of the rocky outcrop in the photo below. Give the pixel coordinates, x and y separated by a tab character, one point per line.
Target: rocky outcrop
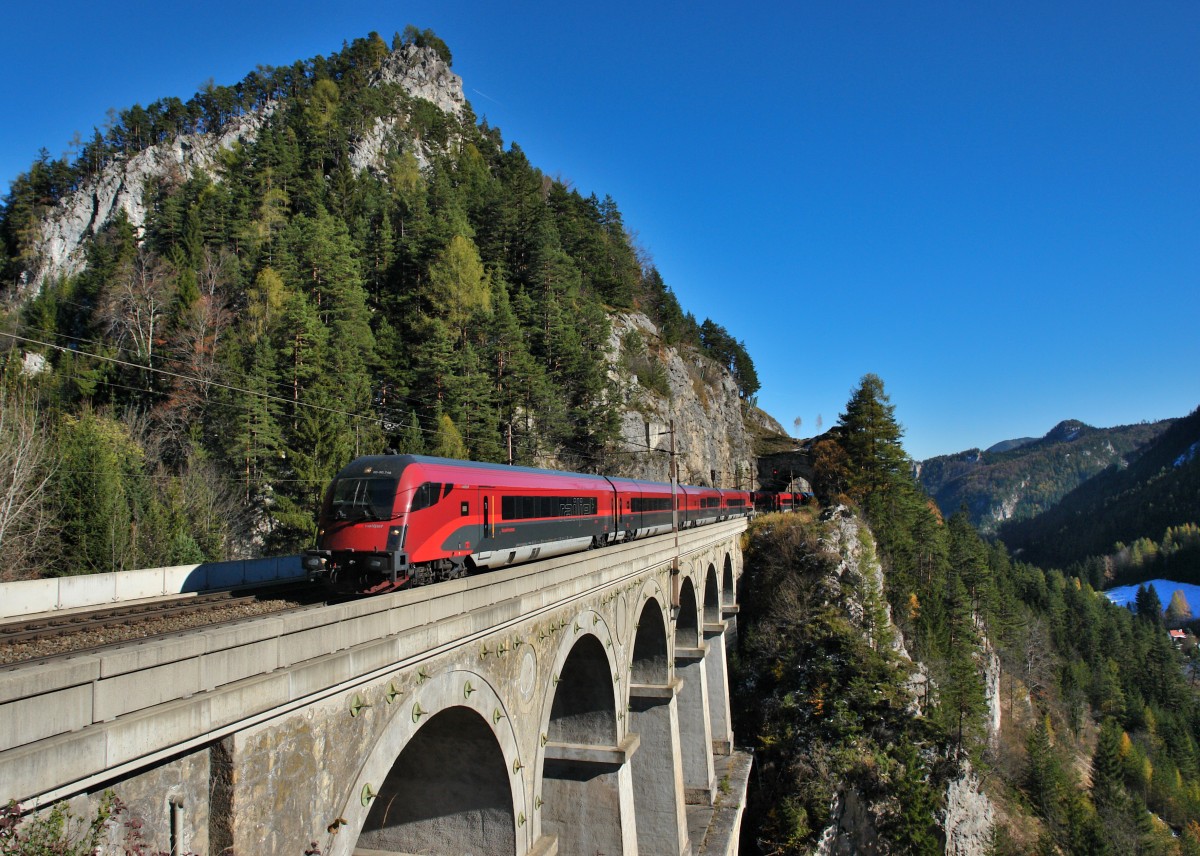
122	185
991	688
764	421
970	817
663	383
424	74
852	832
859	582
421	73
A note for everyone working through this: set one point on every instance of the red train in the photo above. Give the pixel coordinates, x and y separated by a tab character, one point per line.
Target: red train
389	521
766	502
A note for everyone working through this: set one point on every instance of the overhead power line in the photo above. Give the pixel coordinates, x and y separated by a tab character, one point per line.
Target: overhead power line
192	379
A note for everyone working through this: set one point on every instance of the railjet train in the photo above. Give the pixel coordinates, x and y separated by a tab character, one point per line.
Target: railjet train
391	521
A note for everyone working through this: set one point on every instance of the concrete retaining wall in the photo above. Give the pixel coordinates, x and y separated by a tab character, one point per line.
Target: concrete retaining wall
28	597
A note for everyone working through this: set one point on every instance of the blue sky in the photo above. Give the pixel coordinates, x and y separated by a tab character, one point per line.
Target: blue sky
995	207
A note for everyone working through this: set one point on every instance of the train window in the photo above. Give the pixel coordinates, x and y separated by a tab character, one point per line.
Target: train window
528	507
359	498
426	495
643	504
465	509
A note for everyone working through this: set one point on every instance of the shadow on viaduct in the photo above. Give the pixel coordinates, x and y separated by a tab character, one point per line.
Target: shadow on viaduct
573	706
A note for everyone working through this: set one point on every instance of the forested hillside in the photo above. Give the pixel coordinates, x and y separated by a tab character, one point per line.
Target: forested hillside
1015	483
1127	524
1077	718
319	262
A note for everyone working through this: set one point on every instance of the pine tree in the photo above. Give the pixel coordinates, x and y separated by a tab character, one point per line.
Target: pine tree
1108	789
96	488
1045	779
255	438
915	830
447	442
412	441
1149	607
871	436
968	557
962	694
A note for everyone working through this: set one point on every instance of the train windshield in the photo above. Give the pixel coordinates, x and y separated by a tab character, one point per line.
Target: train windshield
363	498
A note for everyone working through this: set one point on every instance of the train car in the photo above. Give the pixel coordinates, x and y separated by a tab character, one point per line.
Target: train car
765	501
391	520
736	503
701	506
643	507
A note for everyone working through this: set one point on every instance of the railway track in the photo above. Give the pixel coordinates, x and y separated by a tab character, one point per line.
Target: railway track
53	635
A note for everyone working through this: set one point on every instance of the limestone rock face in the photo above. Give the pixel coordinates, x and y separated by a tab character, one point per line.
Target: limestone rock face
701	398
424	74
991	689
122	185
970	817
852	832
867	606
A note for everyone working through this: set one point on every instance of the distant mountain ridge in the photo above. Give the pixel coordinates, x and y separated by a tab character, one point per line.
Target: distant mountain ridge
1009	445
1158	489
1018	479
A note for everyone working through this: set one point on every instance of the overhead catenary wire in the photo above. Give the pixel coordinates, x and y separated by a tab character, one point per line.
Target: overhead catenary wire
398	418
384	414
193	379
390	414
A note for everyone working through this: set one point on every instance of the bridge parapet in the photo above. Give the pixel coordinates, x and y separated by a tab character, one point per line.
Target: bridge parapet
29	597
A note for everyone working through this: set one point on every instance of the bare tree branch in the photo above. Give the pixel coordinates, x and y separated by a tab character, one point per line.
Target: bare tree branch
25	472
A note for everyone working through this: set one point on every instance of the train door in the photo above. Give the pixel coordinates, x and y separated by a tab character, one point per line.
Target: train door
470	514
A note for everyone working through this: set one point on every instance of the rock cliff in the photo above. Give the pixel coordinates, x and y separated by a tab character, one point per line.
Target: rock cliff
969	815
122	185
661	383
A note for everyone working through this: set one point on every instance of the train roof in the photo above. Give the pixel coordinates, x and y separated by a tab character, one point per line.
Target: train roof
394	464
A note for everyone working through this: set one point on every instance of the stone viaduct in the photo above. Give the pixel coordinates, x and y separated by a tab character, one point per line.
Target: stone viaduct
573	706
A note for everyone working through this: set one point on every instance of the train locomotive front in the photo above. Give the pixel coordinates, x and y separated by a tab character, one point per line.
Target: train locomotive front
363	527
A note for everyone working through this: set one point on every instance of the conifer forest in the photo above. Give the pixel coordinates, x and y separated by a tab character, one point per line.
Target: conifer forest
208	375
